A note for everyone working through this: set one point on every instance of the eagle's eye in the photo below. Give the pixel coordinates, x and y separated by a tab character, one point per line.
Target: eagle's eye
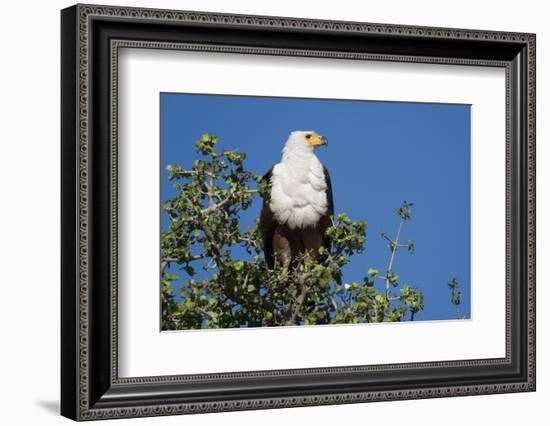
308	136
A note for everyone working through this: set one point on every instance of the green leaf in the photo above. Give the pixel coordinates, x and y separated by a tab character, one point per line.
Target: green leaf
190	270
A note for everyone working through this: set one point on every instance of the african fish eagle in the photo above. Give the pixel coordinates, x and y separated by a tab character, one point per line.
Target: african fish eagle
298	209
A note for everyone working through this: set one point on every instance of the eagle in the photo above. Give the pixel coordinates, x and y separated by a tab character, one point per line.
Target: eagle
299	206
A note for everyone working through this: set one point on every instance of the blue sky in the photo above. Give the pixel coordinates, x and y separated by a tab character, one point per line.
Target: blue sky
379	154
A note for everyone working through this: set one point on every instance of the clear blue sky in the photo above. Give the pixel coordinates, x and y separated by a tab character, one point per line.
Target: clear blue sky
379	154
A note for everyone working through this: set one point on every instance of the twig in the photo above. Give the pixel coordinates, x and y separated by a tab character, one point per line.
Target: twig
394	246
301	298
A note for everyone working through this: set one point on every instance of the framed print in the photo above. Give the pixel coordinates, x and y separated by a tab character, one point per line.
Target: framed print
263	212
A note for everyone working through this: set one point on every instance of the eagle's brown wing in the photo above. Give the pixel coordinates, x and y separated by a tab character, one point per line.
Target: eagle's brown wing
326	220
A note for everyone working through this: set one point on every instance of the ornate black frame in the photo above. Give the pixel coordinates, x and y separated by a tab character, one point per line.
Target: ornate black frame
91	37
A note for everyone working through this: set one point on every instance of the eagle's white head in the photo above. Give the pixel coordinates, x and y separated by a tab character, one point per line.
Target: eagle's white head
303	143
298	182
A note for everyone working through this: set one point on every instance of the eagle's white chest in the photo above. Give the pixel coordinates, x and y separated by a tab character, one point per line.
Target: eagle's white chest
298	192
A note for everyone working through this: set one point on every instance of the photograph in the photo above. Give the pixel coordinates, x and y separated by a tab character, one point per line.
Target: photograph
267	209
280	211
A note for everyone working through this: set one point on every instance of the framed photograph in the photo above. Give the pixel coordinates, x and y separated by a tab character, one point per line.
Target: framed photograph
263	212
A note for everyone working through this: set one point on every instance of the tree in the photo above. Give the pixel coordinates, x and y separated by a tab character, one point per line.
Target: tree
456	294
204	231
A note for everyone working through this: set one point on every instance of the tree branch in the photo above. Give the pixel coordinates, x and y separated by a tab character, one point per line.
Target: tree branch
393	251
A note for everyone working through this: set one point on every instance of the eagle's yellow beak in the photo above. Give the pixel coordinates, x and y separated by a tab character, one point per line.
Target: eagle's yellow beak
316	140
